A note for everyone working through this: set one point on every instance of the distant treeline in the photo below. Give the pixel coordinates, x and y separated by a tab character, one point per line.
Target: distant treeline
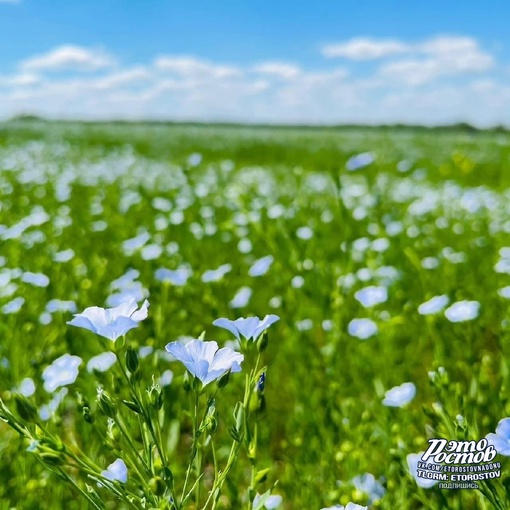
459	126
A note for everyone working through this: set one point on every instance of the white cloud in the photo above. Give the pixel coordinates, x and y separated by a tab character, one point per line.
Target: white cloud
191	66
418	85
280	69
69	57
439	57
365	48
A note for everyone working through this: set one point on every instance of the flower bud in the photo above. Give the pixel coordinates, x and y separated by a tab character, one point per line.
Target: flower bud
105	403
87	415
132	360
155	396
157	486
263	342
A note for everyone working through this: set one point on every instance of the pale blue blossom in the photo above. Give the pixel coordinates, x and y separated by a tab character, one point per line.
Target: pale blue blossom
433	305
177	277
501	439
132	292
400	395
214	275
64	255
204	361
151	252
304	233
26	387
270	503
359	161
116	472
412	463
102	362
13	306
35	279
59	305
130	245
504	292
125	280
362	328
242	298
463	311
61	372
111	323
297	282
250	328
370	486
46	411
261	266
371	296
166	378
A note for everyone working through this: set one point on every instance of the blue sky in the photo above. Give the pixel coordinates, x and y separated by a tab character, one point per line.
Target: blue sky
314	62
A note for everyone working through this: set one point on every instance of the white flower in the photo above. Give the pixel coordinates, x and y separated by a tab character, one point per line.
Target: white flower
463	311
61	372
177	277
13	306
400	395
203	359
349	506
116	472
111	323
501	439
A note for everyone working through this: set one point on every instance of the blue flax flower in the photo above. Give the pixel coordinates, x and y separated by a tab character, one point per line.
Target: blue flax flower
203	359
111	323
250	328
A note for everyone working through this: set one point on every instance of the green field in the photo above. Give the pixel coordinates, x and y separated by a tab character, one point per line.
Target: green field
430	216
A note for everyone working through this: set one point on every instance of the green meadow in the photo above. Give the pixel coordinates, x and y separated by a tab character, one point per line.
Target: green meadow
385	253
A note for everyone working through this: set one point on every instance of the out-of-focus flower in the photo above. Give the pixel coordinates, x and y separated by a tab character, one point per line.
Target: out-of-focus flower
116	471
270	503
250	328
36	279
26	387
371	296
61	372
349	506
102	362
177	277
412	463
13	306
362	328
400	395
463	311
214	275
261	266
203	359
359	161
111	323
370	486
501	439
433	305
241	298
